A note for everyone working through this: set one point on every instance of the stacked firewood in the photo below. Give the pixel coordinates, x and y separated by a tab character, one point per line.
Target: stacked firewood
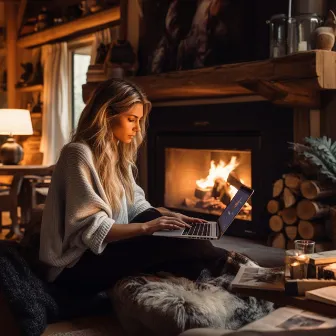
300	209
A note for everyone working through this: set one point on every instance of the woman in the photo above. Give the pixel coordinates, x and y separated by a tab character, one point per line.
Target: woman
97	224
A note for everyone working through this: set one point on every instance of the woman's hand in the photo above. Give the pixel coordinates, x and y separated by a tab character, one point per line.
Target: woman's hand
164	223
188	219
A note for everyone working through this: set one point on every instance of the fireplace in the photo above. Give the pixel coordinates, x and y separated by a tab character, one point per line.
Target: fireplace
198	180
196	152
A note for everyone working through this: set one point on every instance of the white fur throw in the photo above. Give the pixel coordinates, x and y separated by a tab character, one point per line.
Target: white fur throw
167	305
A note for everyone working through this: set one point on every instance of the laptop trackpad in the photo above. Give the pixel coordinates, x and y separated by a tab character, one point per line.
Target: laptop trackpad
168	233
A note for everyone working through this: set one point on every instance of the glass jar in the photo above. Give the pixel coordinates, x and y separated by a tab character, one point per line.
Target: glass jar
278	39
300	32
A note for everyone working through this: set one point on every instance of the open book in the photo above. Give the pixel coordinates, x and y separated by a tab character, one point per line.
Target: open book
288	318
325	295
259	278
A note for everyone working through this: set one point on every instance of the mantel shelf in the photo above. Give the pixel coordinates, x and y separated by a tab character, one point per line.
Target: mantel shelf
294	80
61	31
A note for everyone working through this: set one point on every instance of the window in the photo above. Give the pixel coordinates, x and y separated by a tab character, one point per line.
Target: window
80	60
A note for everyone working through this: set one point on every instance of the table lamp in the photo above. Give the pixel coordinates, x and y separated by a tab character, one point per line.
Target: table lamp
13	122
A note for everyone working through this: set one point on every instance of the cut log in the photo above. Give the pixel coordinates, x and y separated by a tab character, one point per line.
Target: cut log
289	215
331	227
312	230
203	194
274	206
291	232
307	209
278	188
277	240
290	245
293	181
289	197
314	190
276	223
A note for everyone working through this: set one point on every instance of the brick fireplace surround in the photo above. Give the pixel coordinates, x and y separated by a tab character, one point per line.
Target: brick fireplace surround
259	106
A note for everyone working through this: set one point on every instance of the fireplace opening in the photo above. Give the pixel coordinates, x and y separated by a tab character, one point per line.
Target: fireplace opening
198	180
194	150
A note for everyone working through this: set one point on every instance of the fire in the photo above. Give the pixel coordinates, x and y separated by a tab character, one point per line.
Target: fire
220	171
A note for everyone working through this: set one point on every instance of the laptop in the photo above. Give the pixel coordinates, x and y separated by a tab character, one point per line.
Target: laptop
213	230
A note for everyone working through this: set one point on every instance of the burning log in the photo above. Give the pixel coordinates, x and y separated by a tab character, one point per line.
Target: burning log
289	215
278	188
293	181
291	232
314	190
289	197
277	240
312	230
307	209
274	206
276	223
234	180
203	194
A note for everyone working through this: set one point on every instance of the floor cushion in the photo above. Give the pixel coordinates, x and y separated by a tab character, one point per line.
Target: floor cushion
167	305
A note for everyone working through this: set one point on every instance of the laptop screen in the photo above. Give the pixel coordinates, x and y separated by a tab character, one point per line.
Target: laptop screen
233	208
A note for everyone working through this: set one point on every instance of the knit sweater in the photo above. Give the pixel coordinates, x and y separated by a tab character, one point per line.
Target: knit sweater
77	215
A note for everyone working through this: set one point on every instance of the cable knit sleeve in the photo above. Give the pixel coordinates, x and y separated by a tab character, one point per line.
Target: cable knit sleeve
88	218
140	203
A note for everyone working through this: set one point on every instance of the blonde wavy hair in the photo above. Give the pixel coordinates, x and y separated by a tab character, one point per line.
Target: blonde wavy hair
114	161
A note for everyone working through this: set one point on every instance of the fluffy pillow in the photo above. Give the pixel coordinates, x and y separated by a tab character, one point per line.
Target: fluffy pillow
150	305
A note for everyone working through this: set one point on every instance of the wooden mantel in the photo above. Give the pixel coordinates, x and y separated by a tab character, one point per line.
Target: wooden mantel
294	80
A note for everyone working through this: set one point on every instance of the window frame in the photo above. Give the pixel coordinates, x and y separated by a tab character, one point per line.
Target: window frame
82	42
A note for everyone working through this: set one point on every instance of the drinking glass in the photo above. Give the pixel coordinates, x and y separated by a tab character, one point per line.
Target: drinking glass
306	246
296	264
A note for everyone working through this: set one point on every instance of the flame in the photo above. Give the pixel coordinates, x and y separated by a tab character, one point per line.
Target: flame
220	171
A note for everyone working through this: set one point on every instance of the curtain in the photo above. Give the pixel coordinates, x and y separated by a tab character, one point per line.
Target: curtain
104	36
55	123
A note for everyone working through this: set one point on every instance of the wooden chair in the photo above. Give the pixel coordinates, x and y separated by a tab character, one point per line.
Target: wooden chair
34	192
9	202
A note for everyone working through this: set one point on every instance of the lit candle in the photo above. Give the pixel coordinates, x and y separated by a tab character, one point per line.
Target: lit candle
295	270
302	258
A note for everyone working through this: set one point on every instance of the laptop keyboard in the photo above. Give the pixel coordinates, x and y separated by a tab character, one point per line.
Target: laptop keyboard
198	229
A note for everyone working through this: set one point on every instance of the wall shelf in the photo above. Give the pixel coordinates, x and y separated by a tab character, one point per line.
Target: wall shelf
32	88
293	80
67	29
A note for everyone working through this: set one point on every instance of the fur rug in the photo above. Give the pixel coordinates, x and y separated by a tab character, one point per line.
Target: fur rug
167	305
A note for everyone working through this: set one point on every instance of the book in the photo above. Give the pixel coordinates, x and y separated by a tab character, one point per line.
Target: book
322	257
259	278
299	287
289	318
325	295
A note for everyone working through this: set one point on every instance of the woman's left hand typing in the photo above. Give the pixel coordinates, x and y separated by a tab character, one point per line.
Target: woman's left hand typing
187	219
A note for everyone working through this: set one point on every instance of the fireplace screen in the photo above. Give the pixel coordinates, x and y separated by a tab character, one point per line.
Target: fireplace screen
196	179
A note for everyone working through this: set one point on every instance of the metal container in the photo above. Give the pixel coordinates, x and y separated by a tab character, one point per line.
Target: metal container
278	35
300	32
318	7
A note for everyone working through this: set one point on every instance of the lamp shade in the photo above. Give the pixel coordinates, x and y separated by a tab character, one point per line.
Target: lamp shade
15	122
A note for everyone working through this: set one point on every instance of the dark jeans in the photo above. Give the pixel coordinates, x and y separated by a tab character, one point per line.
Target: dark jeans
146	254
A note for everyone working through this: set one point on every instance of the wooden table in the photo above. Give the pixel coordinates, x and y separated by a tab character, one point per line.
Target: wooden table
282	299
22	171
